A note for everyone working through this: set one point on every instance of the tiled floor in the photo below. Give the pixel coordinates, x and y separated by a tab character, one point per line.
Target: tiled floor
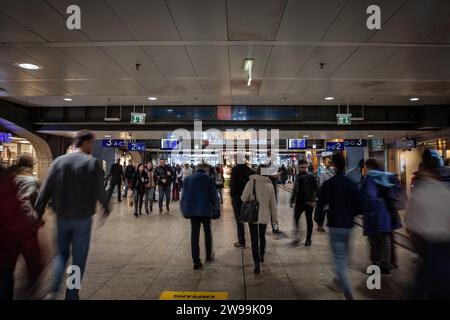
138	258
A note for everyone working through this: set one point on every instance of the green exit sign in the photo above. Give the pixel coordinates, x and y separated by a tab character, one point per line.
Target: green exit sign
344	118
137	118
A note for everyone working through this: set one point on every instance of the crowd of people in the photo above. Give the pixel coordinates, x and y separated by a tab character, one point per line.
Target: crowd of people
75	184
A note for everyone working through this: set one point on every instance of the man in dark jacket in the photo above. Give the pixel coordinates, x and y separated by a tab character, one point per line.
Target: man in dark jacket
342	196
116	175
74	185
304	196
129	173
164	176
198	202
240	175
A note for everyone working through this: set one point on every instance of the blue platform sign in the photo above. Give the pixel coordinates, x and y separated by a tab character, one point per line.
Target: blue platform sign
136	146
335	146
113	143
296	144
355	142
5	137
168	144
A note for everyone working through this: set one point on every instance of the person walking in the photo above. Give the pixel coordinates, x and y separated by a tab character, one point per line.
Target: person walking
427	221
200	203
219	181
303	197
18	234
283	174
325	175
140	179
129	172
260	188
185	172
380	217
149	188
116	176
74	184
342	196
163	177
240	174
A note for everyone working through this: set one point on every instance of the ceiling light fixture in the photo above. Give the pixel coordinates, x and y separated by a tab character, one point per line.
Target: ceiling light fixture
370	136
305	136
414	99
152	98
248	67
28	66
68	99
329	98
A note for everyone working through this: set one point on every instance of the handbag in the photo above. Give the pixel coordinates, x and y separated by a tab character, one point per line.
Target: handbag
216	213
250	209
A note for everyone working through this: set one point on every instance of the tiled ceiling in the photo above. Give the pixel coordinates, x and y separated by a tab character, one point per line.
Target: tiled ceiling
192	52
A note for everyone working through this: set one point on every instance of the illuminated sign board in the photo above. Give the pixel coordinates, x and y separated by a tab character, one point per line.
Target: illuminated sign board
296	144
5	137
344	118
112	143
355	143
168	144
335	146
137	118
135	146
406	144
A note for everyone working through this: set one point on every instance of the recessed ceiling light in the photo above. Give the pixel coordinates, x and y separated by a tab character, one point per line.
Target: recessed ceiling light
152	98
107	136
169	110
329	98
414	99
305	136
370	136
29	66
67	99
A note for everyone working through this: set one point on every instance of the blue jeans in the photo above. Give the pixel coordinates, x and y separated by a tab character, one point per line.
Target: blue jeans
339	239
75	233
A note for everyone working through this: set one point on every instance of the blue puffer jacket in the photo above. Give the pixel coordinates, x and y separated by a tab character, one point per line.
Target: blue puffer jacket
199	196
375	192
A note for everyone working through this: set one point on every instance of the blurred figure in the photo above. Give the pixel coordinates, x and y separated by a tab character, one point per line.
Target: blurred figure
163	178
74	185
185	172
149	188
219	181
199	202
380	216
17	236
342	196
303	196
176	183
260	189
290	173
116	176
240	174
326	174
140	179
428	221
129	172
283	174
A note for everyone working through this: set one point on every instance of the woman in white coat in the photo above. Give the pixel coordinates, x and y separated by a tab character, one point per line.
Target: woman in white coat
265	195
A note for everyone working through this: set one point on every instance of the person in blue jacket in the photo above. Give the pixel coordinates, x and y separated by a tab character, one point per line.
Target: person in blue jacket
200	203
380	217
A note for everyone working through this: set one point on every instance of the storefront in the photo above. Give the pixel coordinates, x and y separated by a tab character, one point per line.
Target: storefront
12	148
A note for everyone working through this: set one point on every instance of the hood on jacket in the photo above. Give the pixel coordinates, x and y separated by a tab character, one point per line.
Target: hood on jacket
381	177
261	178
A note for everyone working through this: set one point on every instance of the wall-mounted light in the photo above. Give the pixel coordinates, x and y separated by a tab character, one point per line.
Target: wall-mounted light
248	67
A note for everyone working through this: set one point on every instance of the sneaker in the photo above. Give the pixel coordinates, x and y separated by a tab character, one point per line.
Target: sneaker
321	229
239	245
334	285
308	242
257	270
135	214
50	296
198	266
